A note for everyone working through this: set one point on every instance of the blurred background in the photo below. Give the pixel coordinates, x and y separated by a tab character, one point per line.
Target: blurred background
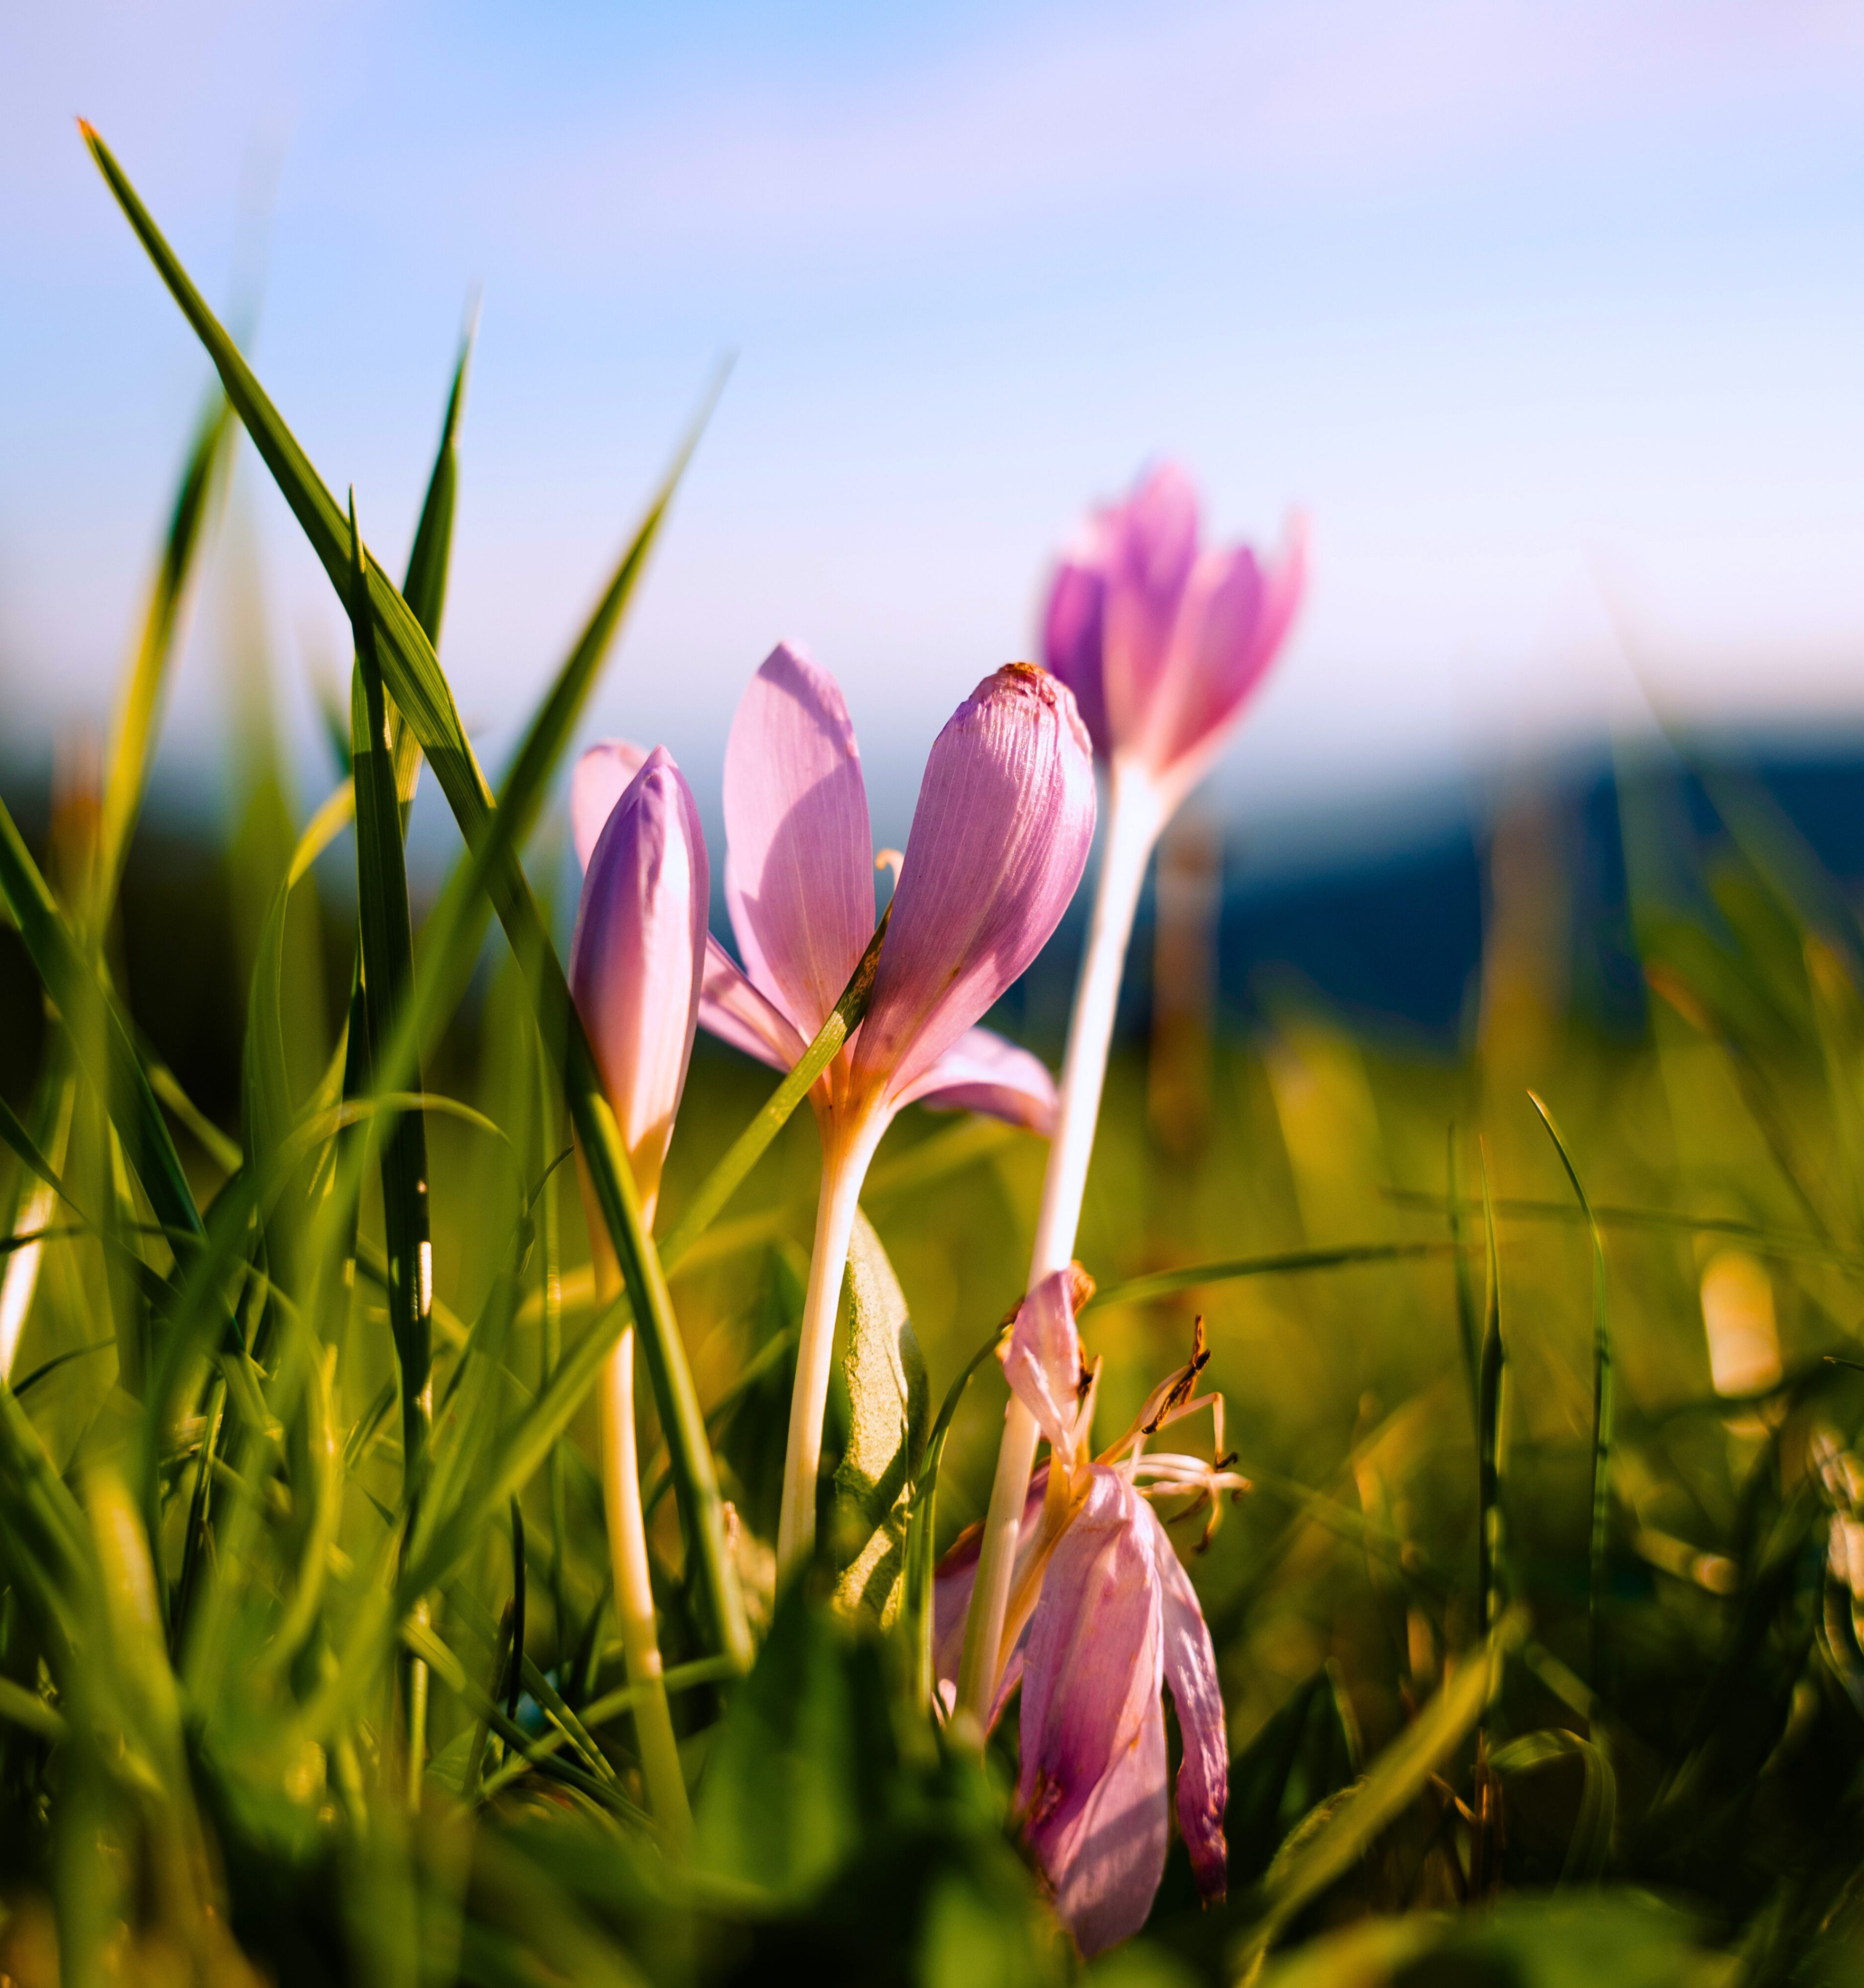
1547	317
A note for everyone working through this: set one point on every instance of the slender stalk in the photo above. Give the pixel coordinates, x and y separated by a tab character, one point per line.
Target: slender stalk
1135	816
627	1547
845	1171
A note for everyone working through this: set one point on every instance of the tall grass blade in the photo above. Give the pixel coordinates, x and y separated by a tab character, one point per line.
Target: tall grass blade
107	1052
388	981
430	558
413	676
1285	1263
138	713
1468	1336
922	1524
1601	1401
456	930
1492	1371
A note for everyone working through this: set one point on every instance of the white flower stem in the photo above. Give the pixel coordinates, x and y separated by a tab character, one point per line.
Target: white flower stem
627	1543
1135	816
845	1171
627	1547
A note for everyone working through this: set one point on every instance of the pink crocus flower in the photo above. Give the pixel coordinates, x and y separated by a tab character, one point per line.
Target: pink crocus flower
999	838
637	958
1102	1619
636	964
1163	640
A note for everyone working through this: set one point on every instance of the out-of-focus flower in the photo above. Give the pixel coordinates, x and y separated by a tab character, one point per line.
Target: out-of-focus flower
999	838
1102	1619
1163	640
638	955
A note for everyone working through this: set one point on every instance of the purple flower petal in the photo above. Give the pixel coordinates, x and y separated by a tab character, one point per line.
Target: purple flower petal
952	1585
1105	1869
732	1009
636	959
1092	1782
1042	1362
981	1072
799	881
1190	1672
1149	567
603	775
999	838
1236	613
1073	623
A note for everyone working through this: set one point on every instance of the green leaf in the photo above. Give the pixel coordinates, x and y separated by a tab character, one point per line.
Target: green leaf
796	1776
888	1406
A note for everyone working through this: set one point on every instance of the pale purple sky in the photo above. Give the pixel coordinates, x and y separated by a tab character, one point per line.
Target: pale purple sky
1548	315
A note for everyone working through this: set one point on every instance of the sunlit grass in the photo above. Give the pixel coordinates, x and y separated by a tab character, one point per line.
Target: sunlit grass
278	1696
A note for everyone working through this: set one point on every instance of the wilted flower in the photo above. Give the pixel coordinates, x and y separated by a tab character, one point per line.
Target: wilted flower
1102	1618
1161	640
999	838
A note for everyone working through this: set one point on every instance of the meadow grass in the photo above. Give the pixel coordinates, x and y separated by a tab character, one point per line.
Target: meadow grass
1539	1629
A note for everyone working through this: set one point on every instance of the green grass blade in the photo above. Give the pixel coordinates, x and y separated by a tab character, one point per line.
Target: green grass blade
413	676
1467	1332
112	1068
1287	1263
1602	1399
1491	1370
922	1522
139	711
456	930
424	588
388	979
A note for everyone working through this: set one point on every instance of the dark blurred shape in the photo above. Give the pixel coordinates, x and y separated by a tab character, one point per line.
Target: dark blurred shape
1189	908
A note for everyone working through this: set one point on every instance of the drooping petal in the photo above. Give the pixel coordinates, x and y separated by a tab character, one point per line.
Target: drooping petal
731	1008
1149	565
799	881
1106	1865
983	1072
1190	1673
1042	1363
603	775
951	1584
999	838
636	960
1091	1786
1074	623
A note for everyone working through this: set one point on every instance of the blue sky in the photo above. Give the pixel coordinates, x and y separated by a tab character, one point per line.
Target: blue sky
1547	315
